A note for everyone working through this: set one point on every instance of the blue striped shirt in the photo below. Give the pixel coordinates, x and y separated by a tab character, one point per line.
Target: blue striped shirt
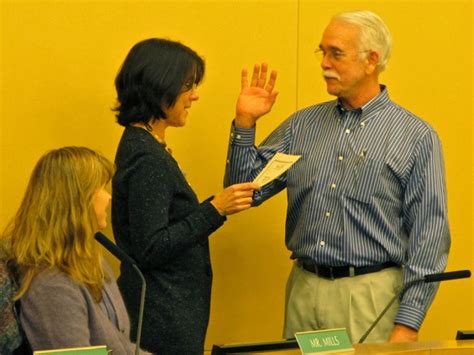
369	188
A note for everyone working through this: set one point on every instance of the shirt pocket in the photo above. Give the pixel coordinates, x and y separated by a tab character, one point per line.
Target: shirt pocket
366	179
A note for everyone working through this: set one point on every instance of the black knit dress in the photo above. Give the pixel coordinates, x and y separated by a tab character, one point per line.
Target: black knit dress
158	221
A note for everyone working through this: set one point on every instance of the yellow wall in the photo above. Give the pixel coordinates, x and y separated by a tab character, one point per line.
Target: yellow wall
59	59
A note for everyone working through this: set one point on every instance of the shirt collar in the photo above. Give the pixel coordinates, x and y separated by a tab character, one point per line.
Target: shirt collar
374	105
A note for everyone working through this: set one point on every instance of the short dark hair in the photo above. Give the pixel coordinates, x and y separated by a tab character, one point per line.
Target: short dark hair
151	78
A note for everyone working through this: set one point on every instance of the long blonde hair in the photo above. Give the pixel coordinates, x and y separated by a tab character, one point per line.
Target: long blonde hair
55	224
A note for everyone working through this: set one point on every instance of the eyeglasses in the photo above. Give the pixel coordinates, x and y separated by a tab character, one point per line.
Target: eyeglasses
189	84
333	54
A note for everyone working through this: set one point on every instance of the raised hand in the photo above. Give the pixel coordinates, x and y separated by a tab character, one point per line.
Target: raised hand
235	198
257	98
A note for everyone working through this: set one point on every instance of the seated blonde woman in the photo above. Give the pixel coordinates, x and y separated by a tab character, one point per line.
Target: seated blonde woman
68	295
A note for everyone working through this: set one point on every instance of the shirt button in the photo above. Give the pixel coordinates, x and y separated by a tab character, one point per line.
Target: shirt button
327	214
347	131
333	186
232	135
340	157
238	136
322	243
362	124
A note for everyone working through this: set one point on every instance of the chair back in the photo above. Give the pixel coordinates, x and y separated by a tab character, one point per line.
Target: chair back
12	338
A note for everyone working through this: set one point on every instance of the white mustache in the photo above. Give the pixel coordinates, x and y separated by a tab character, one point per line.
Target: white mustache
331	75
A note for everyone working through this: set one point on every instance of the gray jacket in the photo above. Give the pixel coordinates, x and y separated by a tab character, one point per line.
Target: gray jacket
56	312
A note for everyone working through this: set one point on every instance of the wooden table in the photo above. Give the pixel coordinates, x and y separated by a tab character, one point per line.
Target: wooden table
449	347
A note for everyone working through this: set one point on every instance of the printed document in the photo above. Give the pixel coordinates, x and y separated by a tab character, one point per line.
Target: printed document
276	166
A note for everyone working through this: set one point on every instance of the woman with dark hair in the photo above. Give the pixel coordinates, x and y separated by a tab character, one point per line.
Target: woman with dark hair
156	216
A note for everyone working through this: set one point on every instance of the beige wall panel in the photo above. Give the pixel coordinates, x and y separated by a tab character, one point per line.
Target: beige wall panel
59	62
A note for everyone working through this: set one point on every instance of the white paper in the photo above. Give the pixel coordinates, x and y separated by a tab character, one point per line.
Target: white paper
276	166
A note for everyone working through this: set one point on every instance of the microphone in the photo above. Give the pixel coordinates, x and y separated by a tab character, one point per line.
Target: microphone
445	276
125	258
114	249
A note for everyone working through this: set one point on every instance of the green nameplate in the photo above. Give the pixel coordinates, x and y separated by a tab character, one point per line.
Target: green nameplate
323	341
89	350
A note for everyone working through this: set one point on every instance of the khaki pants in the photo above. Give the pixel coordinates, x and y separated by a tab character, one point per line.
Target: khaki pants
353	303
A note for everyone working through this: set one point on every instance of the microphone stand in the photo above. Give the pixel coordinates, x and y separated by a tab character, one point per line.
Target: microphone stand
141	309
453	275
125	258
402	290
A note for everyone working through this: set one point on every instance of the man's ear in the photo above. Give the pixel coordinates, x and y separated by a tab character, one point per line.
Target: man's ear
372	61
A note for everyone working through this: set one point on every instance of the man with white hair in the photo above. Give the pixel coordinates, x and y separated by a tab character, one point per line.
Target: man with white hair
367	207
